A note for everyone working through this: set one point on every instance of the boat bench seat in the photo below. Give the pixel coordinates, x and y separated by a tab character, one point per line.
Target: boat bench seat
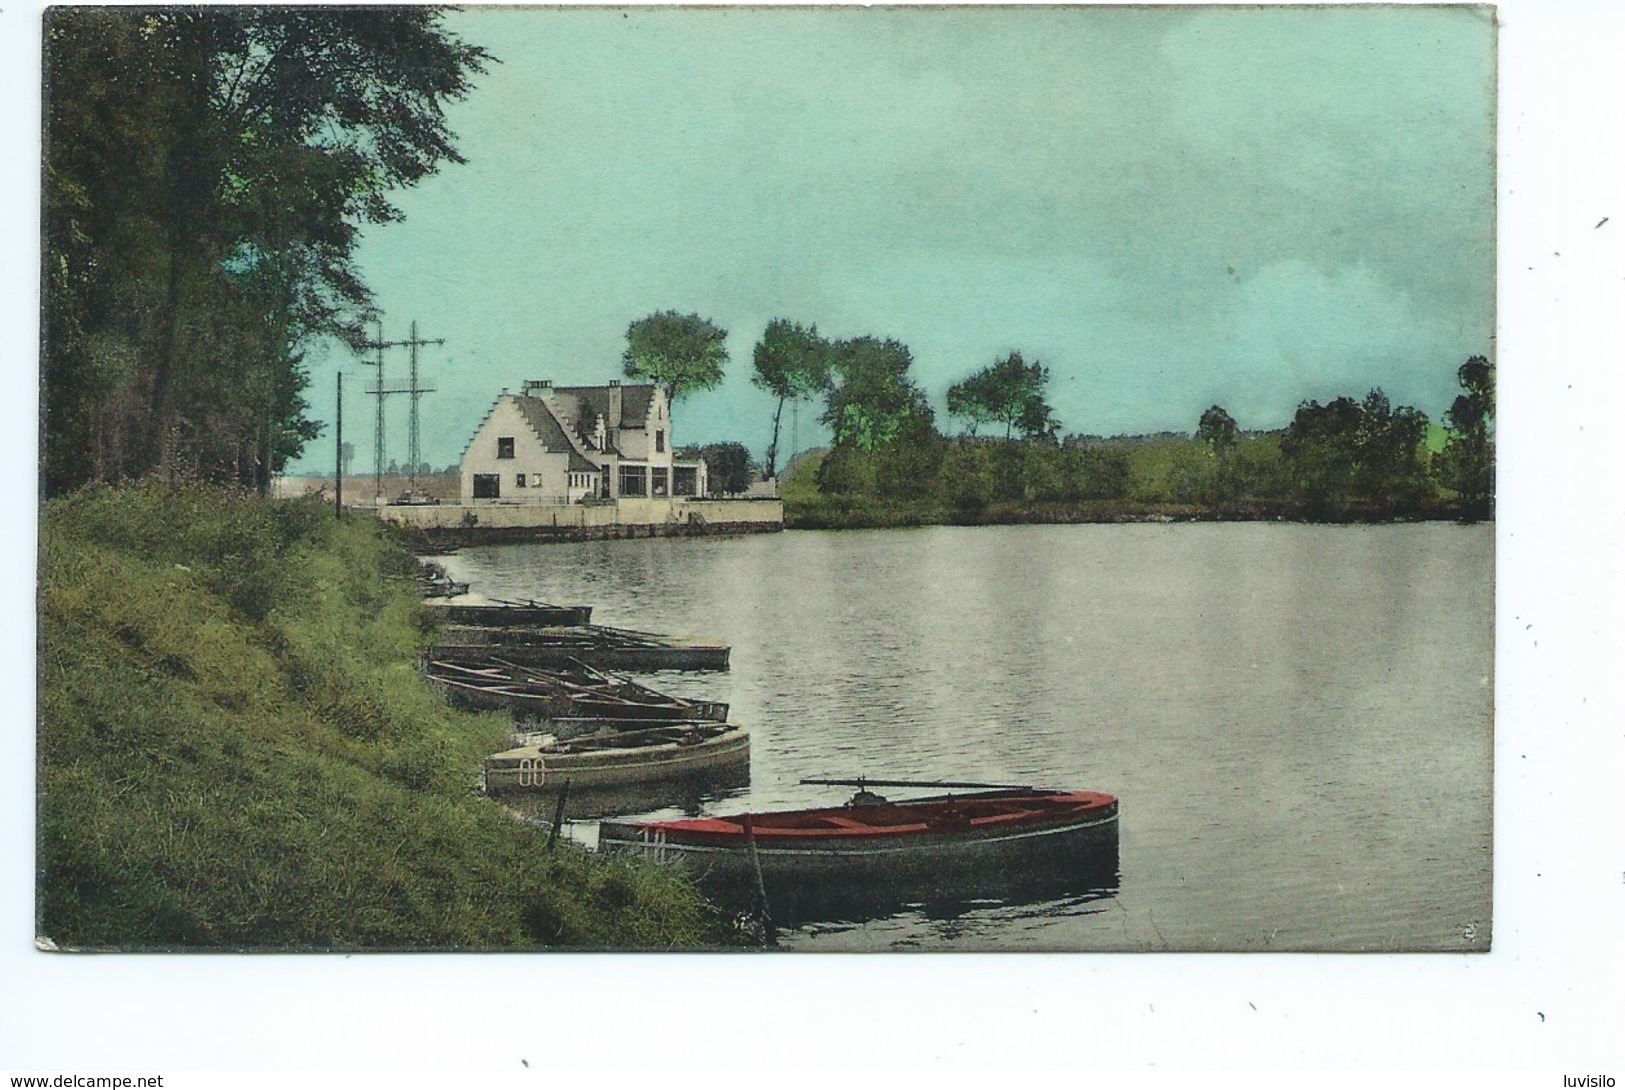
845	822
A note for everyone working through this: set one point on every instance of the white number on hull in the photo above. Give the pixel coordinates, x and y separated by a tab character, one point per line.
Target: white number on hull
654	845
532	771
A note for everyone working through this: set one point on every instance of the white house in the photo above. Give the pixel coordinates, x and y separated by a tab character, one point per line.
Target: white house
568	444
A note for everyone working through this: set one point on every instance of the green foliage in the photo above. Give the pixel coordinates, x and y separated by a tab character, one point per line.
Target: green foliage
873	402
207	171
968	477
1217	429
1090	472
799	481
1347	459
1468	459
1010	392
849	471
934	479
680	353
280	777
792	363
727	466
1358	453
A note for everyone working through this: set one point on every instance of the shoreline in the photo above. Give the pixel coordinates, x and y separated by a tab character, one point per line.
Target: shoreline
824	515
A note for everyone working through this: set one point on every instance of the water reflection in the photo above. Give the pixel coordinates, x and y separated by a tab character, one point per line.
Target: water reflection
904	924
970	899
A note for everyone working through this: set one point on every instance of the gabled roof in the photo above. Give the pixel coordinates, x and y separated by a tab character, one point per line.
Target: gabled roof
580	406
539	415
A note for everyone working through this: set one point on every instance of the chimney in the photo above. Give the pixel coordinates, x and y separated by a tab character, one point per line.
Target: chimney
614	404
538	387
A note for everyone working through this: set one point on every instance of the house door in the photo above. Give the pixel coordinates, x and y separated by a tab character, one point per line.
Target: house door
487	486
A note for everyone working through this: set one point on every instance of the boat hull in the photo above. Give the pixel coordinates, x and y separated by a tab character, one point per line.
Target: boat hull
482	683
564	709
540	767
595	645
843	876
689	792
498	615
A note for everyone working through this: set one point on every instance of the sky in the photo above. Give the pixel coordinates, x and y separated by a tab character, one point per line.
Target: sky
1169	208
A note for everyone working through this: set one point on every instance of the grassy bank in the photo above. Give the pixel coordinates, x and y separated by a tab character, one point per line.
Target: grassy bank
236	750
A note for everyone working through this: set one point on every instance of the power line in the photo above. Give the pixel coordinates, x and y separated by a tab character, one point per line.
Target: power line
380	392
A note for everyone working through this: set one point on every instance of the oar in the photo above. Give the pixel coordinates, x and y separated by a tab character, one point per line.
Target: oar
864	781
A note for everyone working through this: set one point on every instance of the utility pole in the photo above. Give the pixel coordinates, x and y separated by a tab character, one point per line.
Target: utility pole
378	422
415	391
381	392
338	456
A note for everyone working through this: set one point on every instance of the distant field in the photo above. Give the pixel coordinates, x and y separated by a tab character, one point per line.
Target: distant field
444	487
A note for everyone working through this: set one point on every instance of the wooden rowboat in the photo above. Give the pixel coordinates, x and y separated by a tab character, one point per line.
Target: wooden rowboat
505	614
596	645
576	693
614	758
987	844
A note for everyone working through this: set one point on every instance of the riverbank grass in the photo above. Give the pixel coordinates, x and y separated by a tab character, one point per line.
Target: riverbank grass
237	751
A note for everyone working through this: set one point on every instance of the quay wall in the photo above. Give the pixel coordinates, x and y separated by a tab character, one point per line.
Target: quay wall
494	523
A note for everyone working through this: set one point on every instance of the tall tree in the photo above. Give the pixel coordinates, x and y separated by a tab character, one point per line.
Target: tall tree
872	401
1010	391
1218	431
1468	463
792	363
207	171
680	353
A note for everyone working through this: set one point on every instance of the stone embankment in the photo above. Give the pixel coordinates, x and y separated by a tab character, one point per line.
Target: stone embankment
453	525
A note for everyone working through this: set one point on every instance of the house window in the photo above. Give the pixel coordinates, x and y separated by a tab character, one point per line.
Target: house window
685	480
634	481
487	486
660	441
519	480
659	482
505	446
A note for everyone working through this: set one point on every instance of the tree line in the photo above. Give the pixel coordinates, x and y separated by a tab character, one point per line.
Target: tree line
1348	458
207	175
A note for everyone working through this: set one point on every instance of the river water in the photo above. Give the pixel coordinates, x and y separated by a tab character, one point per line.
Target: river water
1296	718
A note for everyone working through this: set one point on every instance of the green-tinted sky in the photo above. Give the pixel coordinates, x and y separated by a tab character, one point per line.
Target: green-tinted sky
1169	207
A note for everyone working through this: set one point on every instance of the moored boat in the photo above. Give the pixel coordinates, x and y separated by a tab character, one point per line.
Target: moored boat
504	614
595	645
990	843
580	692
614	758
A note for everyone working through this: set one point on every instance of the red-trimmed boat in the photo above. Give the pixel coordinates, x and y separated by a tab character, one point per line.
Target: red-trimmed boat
1000	842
